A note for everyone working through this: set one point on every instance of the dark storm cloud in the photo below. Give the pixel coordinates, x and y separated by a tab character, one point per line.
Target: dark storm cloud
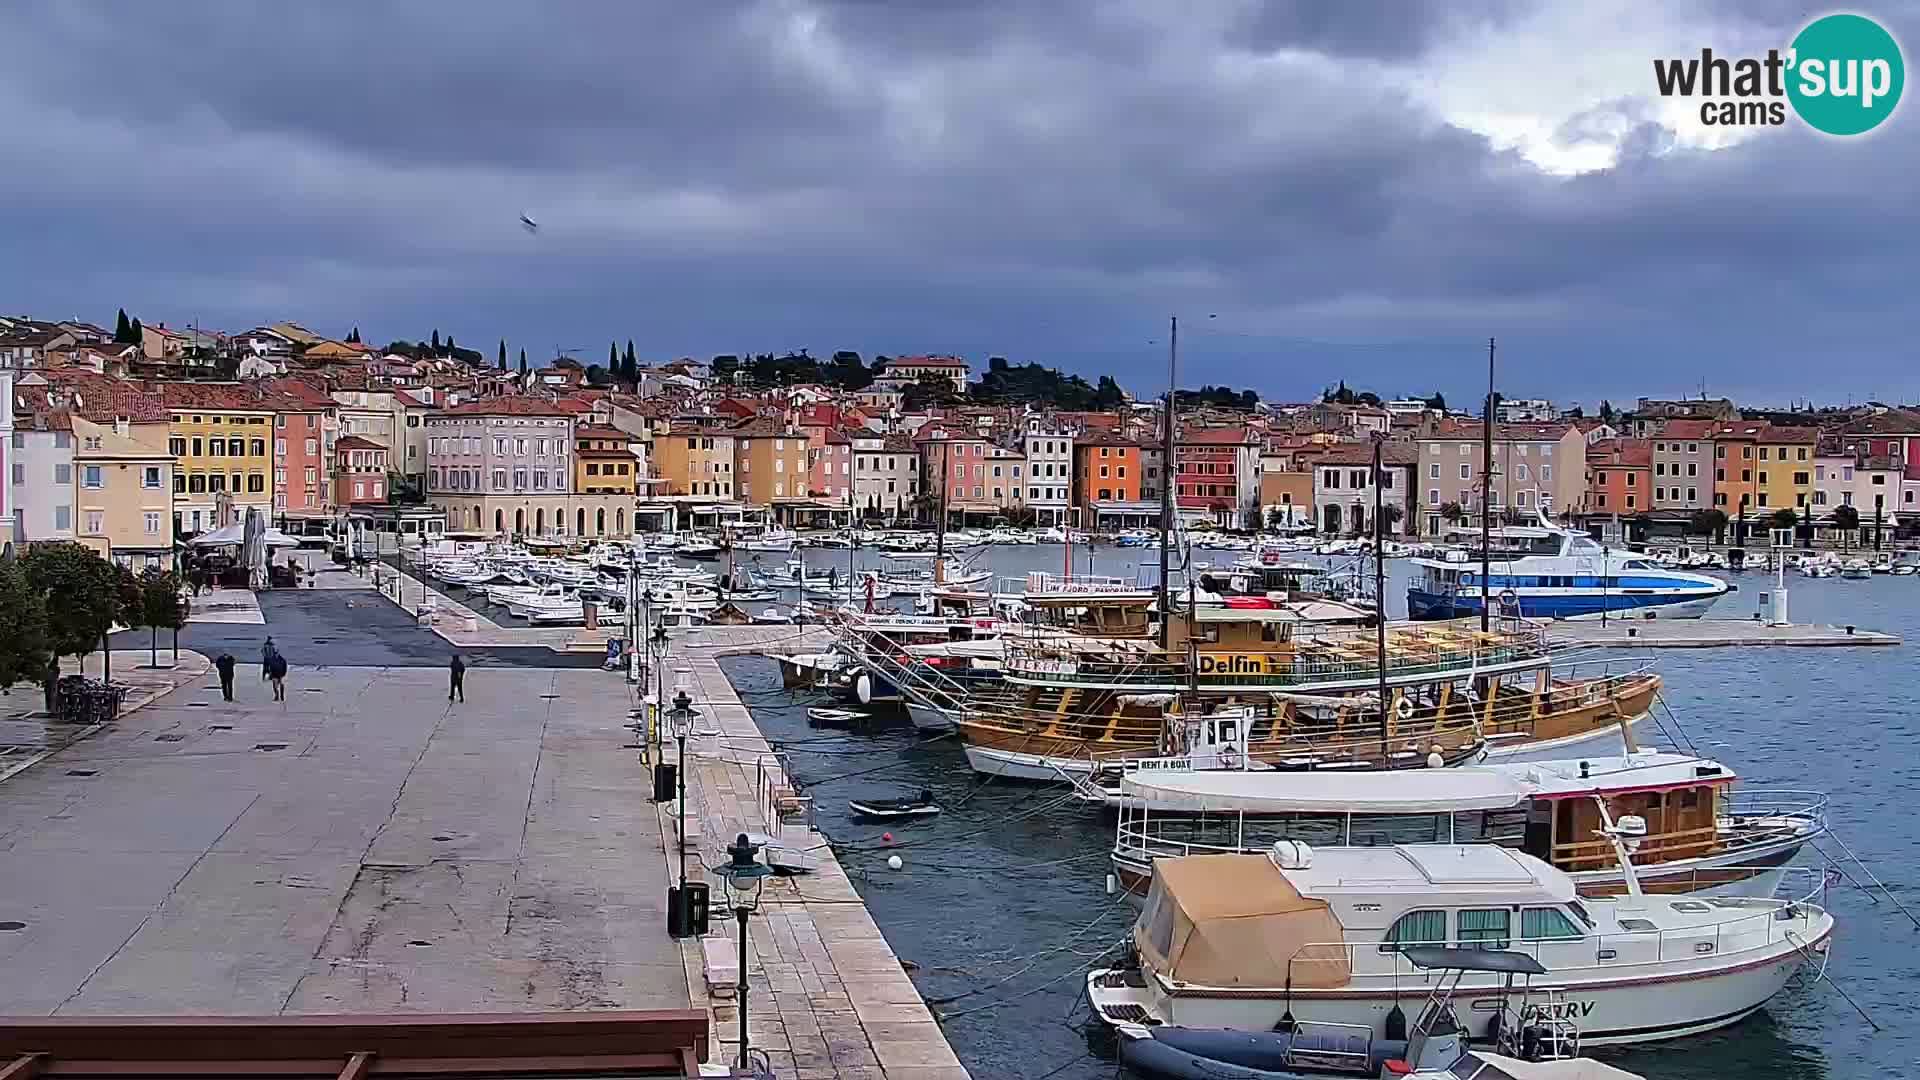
1384	29
1044	181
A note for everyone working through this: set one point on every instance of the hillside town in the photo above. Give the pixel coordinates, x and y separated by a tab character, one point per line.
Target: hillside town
133	439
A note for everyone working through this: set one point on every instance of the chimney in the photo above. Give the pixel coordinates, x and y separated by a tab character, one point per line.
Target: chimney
121	426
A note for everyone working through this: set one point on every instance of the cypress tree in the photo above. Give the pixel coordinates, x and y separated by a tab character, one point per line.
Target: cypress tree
436	339
523	361
449	344
122	329
503	354
613	358
139	332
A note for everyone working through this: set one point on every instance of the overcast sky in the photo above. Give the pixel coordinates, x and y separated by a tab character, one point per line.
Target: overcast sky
1364	190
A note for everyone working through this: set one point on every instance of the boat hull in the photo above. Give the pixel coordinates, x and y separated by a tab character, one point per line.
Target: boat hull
928	718
1425	606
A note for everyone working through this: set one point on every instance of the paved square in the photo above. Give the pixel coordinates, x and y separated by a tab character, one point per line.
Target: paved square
361	847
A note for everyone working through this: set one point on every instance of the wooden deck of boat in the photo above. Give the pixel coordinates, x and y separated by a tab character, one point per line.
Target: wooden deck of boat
1712	634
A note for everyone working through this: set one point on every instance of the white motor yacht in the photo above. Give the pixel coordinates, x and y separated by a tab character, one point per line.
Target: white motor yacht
1249	942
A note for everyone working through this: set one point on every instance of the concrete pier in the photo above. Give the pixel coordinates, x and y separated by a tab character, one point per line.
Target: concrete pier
1712	634
828	997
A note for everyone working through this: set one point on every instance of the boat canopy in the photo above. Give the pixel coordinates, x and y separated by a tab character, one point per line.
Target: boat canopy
1439	957
1403	791
1248	609
1235	920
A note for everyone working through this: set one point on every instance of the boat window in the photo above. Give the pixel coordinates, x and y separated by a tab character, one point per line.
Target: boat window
1638	564
1229	731
1580	912
1546	924
1416	928
1641	926
1158	919
1485	927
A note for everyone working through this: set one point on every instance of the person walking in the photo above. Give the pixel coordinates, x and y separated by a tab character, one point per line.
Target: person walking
277	671
457	675
267	653
226	664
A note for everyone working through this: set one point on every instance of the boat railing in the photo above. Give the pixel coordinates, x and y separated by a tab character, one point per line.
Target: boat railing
1043	583
1048	662
1750	926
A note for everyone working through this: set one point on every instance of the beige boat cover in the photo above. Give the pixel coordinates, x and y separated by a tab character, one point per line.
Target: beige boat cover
1235	920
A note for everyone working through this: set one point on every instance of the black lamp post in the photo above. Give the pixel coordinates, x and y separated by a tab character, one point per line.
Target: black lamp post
657	645
682	727
742	876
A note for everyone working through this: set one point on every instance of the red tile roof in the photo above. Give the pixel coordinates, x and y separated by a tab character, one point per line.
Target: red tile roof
508	406
1686	429
927	361
355	442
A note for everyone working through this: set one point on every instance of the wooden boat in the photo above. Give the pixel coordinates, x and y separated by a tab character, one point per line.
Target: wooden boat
911	806
830	717
729	614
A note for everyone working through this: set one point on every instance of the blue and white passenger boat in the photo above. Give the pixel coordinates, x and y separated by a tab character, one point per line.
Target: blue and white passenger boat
1546	571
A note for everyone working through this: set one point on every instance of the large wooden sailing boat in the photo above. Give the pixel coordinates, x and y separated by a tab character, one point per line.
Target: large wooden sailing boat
1086	685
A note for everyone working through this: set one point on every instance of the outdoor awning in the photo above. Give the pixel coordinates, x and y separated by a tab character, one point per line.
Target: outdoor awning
236	534
1403	791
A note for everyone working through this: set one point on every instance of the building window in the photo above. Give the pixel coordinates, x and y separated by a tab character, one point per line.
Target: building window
96	520
90	476
63	474
153	522
63	517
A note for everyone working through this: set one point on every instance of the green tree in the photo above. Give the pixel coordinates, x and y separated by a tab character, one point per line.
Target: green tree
1709	522
353	336
23	627
436	340
84	594
160	607
523	362
630	366
450	349
930	389
137	332
725	368
1606	412
1390	515
598	376
1107	396
1438	402
1453	513
122	329
1847	520
503	354
1785	518
613	356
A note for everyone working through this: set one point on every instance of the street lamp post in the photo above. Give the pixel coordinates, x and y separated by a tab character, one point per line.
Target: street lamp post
682	727
657	648
742	876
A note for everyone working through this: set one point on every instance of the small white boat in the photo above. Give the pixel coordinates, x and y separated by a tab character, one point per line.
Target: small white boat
832	717
773	616
1883	563
695	547
911	806
773	538
1904	569
1856	569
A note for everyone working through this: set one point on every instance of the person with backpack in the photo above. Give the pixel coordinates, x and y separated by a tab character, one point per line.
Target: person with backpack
267	653
277	671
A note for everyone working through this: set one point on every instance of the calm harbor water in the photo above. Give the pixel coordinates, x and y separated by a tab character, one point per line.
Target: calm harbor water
1001	904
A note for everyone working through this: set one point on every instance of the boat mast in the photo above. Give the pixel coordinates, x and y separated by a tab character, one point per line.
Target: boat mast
1380	590
1166	483
940	530
853	496
1486	500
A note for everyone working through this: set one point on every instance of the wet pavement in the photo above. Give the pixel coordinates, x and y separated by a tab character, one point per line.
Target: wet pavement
346	628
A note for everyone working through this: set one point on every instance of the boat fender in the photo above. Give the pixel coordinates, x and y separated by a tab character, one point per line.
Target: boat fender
863	689
1396	1025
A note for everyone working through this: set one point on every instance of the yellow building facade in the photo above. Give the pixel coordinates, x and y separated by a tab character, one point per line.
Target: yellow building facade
123	491
220	451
